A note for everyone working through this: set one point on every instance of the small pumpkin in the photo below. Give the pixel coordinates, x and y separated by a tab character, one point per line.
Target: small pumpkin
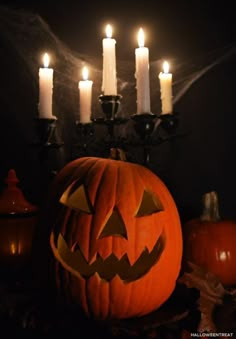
116	237
210	242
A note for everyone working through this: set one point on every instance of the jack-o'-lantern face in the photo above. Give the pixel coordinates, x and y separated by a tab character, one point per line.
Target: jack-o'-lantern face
116	221
76	198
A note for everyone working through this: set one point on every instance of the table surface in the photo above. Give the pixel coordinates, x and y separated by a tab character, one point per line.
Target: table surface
26	310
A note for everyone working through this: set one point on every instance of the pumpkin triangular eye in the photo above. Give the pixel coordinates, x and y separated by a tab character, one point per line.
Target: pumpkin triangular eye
114	226
76	197
150	204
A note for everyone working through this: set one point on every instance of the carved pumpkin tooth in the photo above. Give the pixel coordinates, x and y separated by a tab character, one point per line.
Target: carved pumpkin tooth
132	258
121	254
92	259
125	258
103	256
149	247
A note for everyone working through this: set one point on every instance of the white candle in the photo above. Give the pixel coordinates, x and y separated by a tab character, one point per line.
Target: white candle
85	91
142	75
109	81
45	90
166	89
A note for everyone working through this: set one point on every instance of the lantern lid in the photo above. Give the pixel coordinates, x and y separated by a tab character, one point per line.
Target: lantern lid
12	200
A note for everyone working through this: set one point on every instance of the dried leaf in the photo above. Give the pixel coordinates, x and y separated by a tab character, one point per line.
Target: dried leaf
211	291
207	283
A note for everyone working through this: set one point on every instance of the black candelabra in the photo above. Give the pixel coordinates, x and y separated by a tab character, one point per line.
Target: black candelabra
48	144
48	138
97	137
143	131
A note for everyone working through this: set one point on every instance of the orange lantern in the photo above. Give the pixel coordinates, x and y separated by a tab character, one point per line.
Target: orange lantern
17	221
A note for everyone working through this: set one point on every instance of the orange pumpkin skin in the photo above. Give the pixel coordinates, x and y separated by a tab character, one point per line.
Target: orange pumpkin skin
212	246
114	188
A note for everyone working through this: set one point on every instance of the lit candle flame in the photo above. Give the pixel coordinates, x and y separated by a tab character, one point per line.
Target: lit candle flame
46	60
13	248
85	73
166	67
141	38
108	31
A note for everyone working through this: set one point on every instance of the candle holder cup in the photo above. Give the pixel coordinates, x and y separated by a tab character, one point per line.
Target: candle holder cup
169	122
110	105
144	124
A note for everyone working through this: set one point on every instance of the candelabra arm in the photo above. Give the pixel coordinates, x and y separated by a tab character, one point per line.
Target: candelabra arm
85	132
144	125
110	106
150	129
47	135
47	140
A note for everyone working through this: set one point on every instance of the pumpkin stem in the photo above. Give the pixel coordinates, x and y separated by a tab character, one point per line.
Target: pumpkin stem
210	207
117	154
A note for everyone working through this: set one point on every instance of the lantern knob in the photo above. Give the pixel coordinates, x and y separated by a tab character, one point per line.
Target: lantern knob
12	200
11	179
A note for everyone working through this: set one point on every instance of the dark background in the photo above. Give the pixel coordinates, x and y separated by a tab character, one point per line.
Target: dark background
173	28
193	34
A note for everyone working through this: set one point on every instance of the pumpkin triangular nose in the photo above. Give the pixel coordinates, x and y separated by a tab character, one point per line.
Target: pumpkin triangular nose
114	226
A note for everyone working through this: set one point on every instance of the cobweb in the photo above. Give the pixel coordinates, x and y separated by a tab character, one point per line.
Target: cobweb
205	153
28	36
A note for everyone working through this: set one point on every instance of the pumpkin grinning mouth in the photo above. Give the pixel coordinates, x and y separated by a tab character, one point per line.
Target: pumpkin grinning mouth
108	268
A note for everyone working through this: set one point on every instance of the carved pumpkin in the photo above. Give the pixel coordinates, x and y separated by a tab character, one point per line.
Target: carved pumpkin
116	237
210	242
